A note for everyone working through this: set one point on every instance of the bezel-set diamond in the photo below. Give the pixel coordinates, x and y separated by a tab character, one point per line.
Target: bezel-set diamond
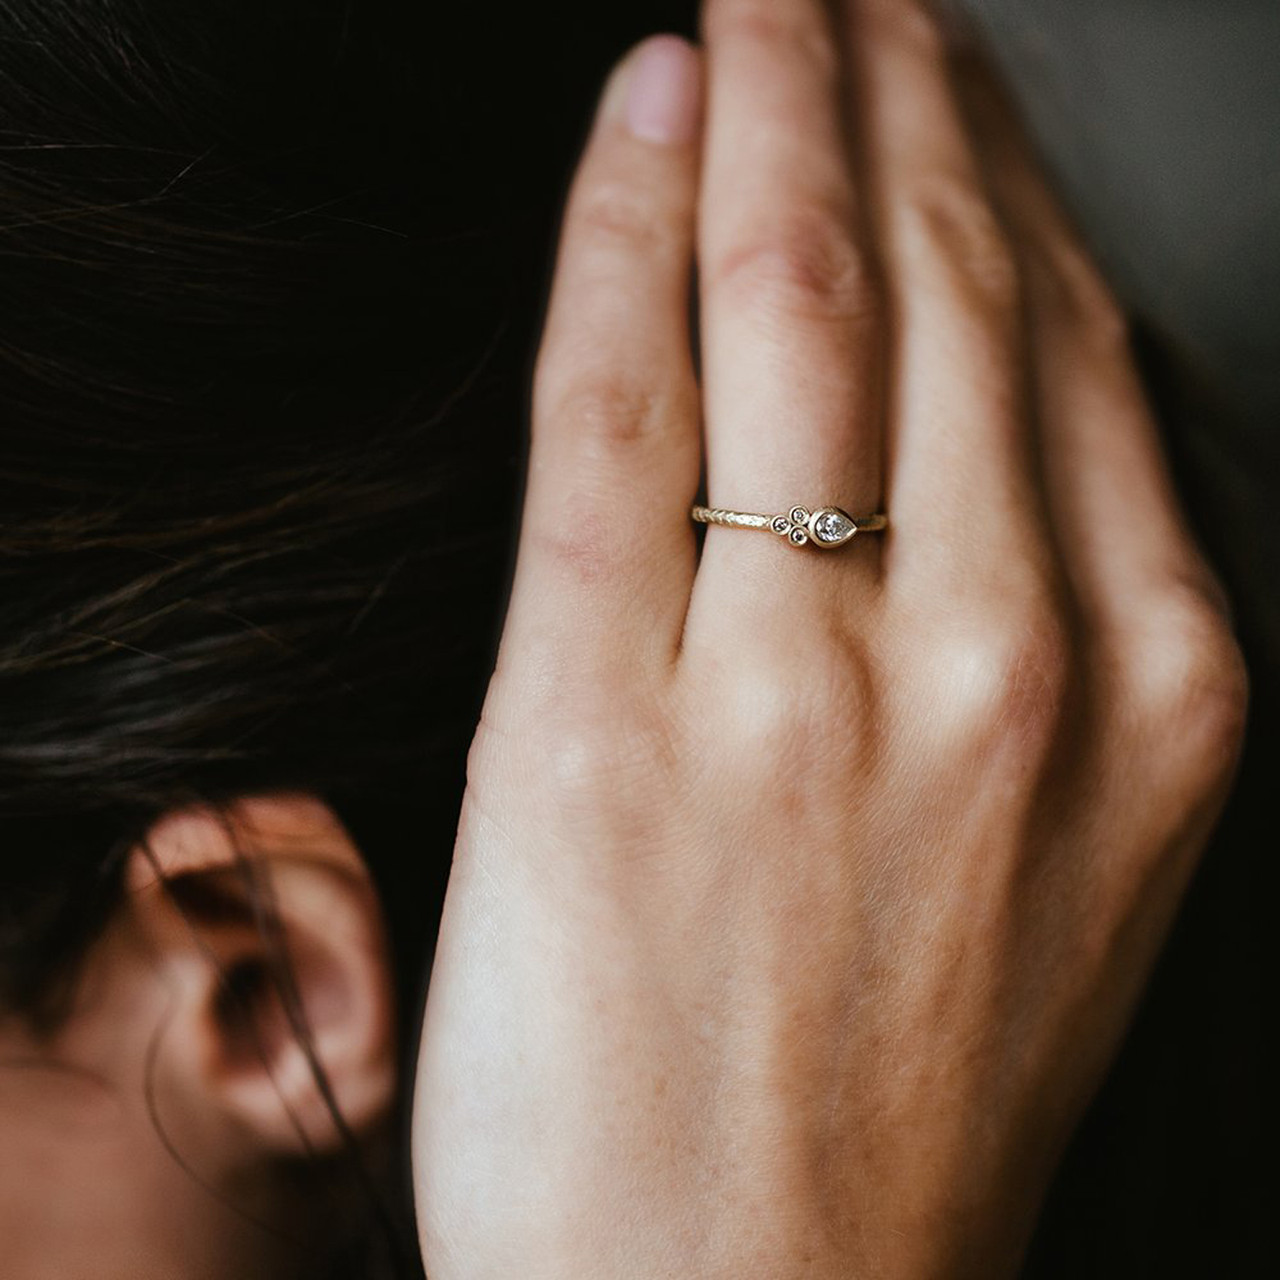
832	527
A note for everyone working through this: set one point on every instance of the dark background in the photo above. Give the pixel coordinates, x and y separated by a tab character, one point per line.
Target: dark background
1161	120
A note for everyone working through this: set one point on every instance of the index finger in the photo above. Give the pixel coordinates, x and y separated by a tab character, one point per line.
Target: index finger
606	552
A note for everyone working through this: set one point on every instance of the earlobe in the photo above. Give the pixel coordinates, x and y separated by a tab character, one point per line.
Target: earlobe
268	924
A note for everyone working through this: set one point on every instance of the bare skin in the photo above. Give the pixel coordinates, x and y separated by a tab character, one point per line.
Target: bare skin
160	1131
801	899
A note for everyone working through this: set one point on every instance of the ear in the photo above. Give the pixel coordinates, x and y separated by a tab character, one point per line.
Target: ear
267	923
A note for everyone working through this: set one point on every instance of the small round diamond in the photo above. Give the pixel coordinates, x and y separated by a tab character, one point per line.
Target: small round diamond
781	524
799	515
798	537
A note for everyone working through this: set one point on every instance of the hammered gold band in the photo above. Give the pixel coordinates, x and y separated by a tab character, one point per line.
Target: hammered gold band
825	527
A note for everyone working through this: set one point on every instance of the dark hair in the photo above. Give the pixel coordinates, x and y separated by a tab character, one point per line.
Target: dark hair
256	472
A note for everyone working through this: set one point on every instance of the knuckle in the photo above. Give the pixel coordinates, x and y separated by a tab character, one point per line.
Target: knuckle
923	31
911	23
806	266
1068	285
576	757
1189	680
948	222
583	545
619	217
804	720
768	27
603	749
1013	681
611	408
1105	322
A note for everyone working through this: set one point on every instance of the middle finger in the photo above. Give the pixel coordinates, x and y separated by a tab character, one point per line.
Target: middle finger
965	494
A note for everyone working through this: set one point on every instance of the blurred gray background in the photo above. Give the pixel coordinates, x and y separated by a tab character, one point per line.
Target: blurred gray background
1162	121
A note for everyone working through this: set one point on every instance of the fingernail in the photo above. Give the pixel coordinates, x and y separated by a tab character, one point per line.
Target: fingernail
664	89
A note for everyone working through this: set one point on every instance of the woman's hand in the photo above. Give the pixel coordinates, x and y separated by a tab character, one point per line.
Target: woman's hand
801	897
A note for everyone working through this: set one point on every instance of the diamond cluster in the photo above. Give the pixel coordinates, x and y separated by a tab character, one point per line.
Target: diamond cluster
792	526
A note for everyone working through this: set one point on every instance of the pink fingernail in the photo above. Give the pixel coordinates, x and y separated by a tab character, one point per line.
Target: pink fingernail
664	91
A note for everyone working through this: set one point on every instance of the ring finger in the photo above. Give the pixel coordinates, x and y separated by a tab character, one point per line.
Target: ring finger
790	328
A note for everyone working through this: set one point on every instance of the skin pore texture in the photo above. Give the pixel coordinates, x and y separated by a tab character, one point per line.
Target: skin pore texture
801	900
152	1132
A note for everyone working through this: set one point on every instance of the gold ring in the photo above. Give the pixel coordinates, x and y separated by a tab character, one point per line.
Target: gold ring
825	527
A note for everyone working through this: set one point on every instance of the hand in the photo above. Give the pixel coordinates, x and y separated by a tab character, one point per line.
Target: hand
801	897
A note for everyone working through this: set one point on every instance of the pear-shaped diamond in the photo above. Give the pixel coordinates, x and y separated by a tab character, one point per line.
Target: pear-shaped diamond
832	526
